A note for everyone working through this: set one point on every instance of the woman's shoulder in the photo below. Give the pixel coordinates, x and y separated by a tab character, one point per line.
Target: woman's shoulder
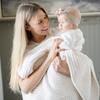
55	31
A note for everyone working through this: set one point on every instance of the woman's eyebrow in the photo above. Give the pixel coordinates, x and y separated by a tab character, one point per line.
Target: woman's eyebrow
41	18
45	15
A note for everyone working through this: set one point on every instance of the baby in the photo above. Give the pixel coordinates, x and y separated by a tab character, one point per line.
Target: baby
69	19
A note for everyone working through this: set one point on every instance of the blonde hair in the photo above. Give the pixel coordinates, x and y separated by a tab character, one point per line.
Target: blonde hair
21	38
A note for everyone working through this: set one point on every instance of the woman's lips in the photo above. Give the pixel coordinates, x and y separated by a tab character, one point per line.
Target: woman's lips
45	29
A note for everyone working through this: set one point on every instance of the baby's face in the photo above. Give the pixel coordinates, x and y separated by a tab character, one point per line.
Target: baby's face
64	24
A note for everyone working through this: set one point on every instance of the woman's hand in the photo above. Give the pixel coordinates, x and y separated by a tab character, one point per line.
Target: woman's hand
55	49
61	66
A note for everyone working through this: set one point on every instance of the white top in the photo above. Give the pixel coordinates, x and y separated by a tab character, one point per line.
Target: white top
73	40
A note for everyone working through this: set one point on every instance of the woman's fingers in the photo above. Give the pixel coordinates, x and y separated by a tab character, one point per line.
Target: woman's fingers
57	62
55	49
58	50
57	42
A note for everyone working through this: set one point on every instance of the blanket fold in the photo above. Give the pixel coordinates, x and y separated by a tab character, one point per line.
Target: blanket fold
83	75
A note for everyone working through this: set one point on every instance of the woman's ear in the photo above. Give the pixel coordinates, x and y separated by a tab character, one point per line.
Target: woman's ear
27	27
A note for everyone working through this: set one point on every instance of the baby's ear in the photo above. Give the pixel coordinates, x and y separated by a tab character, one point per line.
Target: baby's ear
74	27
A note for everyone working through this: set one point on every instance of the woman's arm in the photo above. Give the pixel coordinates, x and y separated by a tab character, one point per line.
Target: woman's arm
34	79
61	66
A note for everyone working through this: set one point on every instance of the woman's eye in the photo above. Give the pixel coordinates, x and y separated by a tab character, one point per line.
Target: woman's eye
45	17
39	22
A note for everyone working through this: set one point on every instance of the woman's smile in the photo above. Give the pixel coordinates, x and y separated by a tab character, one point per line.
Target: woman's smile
45	29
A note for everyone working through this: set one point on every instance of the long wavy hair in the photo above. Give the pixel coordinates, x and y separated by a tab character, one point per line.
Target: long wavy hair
21	38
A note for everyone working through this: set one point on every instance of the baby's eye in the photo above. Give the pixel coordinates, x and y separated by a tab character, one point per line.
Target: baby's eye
60	23
63	22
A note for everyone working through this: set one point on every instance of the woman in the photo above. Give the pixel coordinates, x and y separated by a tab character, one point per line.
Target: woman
32	27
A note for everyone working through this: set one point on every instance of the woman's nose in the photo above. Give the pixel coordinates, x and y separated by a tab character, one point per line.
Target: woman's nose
46	22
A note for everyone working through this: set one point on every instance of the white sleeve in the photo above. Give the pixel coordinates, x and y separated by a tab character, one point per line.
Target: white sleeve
69	40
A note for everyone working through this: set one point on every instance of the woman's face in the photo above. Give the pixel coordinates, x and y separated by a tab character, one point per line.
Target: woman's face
39	24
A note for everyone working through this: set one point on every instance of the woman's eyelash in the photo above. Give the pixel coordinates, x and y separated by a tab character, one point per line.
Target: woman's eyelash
45	17
39	22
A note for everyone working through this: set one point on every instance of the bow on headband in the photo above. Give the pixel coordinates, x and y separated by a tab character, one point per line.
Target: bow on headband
60	11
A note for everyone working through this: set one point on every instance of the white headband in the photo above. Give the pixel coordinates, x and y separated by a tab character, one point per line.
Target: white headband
69	16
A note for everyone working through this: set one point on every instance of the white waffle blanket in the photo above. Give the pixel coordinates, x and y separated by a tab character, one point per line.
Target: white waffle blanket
54	84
